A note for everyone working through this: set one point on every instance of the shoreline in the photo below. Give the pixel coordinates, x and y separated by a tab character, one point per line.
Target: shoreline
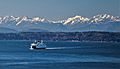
69	41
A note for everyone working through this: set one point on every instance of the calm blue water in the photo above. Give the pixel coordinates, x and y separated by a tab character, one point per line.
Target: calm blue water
60	55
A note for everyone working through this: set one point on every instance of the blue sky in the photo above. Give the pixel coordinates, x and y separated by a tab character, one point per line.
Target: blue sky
59	9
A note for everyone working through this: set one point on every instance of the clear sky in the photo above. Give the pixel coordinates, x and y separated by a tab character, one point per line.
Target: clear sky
59	9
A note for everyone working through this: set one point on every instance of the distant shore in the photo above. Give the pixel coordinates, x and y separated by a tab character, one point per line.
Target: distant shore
68	41
90	36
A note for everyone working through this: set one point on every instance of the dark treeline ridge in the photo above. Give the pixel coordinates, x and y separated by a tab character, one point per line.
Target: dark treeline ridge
63	36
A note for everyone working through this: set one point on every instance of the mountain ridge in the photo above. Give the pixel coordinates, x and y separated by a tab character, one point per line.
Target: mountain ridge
101	22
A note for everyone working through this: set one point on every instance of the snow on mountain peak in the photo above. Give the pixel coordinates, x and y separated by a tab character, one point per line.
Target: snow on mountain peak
77	23
103	18
38	19
75	19
22	19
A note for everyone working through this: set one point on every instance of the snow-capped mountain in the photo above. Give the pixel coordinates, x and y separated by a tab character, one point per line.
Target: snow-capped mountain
102	22
102	18
76	19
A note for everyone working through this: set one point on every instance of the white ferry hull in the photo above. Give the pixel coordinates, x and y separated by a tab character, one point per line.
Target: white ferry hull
33	47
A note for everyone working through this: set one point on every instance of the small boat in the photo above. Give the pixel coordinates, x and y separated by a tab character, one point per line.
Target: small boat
38	45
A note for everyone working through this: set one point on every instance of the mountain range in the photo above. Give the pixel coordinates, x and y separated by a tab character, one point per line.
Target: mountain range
101	22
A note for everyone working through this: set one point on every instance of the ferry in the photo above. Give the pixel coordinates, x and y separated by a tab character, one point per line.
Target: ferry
38	45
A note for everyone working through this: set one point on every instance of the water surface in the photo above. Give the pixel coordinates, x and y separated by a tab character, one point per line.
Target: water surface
60	55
